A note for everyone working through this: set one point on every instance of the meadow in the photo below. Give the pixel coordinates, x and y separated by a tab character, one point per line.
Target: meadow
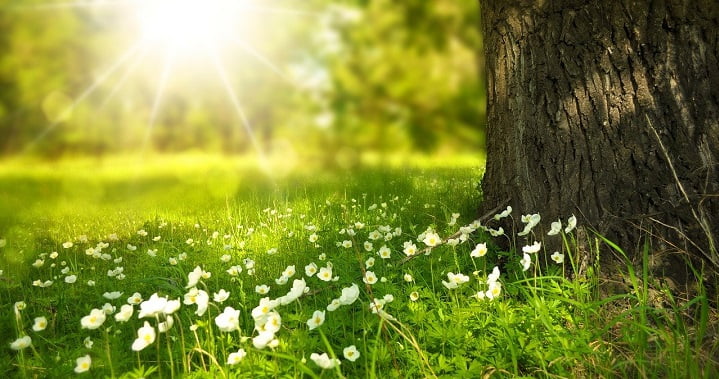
200	266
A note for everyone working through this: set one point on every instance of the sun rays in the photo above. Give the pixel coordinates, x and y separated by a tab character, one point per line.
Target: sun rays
174	33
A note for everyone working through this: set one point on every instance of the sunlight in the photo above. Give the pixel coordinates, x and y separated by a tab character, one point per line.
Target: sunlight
187	26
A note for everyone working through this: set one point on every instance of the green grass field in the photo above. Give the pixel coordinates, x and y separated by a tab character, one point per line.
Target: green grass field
82	238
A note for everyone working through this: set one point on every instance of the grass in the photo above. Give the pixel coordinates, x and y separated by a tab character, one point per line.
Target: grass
171	215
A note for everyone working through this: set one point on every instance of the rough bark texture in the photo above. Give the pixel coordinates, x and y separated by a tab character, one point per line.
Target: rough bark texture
608	110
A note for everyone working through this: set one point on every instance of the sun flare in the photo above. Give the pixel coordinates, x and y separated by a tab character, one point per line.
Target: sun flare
187	25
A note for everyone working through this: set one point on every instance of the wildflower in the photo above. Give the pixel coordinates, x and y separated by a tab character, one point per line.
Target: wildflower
495	288
112	295
262	289
93	320
260	312
125	313
333	305
314	237
152	307
273	322
272	251
346	244
228	320
409	248
431	239
526	261
414	296
262	339
531	220
375	235
38	263
282	280
83	364
325	274
40	324
152	252
452	242
408	278
571	224
136	298
324	361
166	325
556	227
220	296
21	343
234	270
88	342
496	233
494	276
350	353
145	337
349	294
198	297
156	238
504	213
131	247
142	233
70	279
533	248
108	308
454	280
368	246
226	258
171	307
236	357
369	278
289	271
317	319
557	257
67	244
194	277
384	252
369	262
479	251
311	269
322	257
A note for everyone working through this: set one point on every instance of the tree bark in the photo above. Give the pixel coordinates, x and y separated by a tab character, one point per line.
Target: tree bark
608	110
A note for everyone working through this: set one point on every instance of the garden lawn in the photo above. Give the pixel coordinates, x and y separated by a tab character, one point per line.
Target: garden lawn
199	266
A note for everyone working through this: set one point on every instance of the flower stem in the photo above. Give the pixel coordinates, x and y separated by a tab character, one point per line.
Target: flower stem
107	352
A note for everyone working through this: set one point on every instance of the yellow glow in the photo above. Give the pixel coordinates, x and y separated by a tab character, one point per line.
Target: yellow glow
187	25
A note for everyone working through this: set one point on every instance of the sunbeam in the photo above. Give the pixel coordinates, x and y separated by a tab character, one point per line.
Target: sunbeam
87	92
264	60
164	76
219	66
124	78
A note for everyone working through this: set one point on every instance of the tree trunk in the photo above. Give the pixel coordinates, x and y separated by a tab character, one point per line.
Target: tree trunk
608	110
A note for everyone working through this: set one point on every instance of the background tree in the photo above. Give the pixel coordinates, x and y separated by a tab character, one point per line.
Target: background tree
608	110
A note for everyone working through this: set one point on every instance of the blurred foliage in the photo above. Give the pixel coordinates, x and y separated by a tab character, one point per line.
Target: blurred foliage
317	78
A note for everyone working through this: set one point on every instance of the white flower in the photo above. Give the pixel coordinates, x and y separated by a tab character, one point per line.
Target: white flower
526	261
166	325
38	263
496	233
571	224
67	244
349	294
531	220
533	248
410	248
198	297
504	213
408	278
494	276
350	353
172	261
325	274
311	269
194	277
236	357
260	312
234	270
324	361
314	237
125	313
70	279
333	305
369	262
226	258
93	320
369	277
479	251
136	298
282	280
21	343
289	271
384	252
229	320
557	257
495	288
83	364
88	342
40	324
108	308
112	295
91	283
317	319
454	280
152	307
556	227
262	339
145	337
432	239
346	244
220	296
262	289
368	246
414	296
